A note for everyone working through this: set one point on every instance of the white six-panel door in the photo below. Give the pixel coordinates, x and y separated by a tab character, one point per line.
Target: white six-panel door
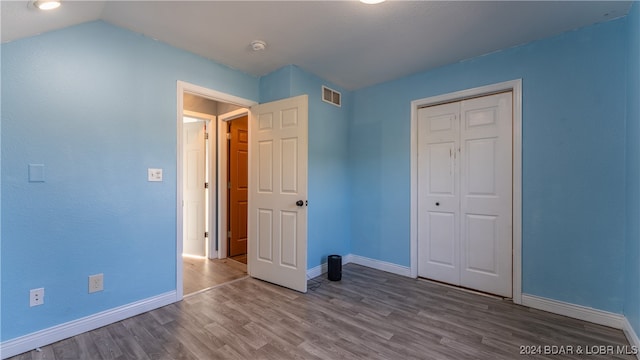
277	181
438	193
465	193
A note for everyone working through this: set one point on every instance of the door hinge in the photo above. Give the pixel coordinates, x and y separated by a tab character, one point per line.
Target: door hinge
206	234
206	185
229	233
228	136
229	185
206	136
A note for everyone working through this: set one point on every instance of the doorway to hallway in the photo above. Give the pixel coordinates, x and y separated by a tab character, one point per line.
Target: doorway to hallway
203	264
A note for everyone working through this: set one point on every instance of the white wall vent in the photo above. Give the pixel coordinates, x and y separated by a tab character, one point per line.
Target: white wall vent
331	96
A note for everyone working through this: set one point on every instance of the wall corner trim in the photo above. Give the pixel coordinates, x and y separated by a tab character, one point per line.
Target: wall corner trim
69	329
631	335
580	312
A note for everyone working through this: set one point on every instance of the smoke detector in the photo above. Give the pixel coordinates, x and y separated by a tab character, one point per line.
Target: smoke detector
258	45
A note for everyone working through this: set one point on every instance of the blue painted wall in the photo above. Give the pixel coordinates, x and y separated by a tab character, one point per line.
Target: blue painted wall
96	105
329	221
574	102
632	269
276	85
105	112
328	225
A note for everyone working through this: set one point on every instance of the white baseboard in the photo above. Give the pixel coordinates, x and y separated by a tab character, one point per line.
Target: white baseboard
584	313
574	311
324	267
631	335
381	265
364	261
59	332
56	333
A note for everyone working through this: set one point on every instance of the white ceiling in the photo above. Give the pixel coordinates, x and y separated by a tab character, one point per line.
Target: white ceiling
346	42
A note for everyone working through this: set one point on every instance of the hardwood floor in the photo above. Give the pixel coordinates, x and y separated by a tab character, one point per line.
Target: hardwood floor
240	258
200	273
368	315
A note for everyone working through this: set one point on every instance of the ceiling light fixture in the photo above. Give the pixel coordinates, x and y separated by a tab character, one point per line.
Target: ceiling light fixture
371	2
258	45
47	4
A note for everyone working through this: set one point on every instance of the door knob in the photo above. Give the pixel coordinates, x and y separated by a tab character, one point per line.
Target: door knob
437	204
300	203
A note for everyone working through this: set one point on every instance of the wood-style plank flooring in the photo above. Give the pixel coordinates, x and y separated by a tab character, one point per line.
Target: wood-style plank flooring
201	273
368	315
240	258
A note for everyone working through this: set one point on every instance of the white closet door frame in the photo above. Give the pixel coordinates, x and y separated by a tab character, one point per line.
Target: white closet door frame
516	87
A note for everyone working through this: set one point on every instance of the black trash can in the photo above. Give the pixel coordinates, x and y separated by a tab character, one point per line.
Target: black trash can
335	267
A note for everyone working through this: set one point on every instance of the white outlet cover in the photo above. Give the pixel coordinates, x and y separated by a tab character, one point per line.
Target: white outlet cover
154	174
36	297
96	283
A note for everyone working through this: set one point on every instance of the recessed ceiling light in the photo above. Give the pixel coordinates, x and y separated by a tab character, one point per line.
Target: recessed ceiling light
371	2
258	45
47	4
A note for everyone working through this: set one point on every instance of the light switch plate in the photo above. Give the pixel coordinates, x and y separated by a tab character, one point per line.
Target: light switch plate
154	174
36	172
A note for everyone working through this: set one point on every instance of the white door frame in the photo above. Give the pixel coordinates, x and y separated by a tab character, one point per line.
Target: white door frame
223	176
181	88
516	87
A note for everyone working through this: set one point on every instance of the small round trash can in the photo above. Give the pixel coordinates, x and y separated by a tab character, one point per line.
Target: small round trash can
335	267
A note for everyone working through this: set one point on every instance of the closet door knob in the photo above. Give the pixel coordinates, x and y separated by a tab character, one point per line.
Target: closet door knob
437	204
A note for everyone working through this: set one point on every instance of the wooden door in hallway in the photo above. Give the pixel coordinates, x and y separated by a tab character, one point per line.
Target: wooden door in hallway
238	163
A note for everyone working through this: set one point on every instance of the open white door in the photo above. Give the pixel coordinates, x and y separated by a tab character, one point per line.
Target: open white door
194	242
278	192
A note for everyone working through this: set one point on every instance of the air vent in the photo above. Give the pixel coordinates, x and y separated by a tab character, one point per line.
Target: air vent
331	96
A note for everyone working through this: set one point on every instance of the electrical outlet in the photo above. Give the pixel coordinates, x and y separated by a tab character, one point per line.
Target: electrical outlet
36	297
154	174
96	283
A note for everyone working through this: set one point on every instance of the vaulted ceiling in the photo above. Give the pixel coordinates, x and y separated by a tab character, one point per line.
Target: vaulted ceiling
346	42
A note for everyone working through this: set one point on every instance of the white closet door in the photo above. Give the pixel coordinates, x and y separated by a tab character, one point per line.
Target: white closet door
486	193
438	194
465	193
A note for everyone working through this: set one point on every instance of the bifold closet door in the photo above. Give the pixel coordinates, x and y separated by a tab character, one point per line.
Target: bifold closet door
465	193
438	193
